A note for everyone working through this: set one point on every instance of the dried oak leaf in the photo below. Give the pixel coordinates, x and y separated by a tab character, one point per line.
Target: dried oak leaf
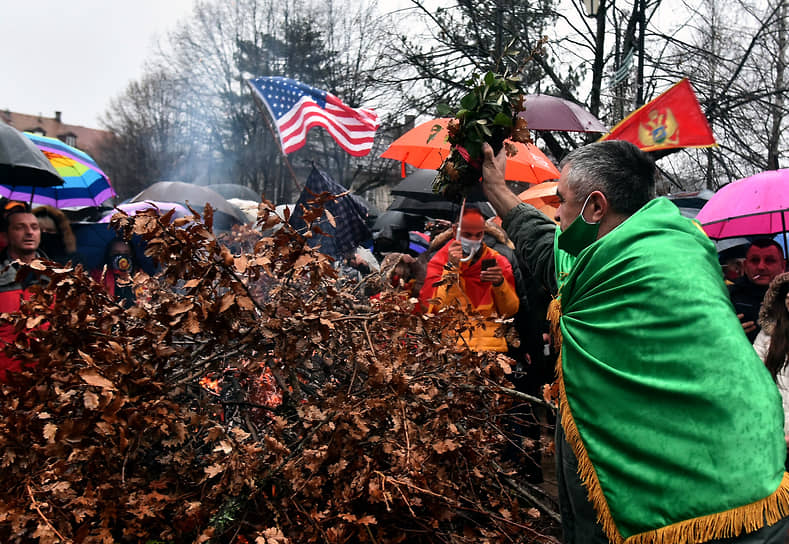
443	446
214	470
50	431
272	535
92	377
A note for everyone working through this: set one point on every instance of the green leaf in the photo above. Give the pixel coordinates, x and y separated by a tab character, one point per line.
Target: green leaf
474	149
502	120
469	102
443	110
482	121
490	77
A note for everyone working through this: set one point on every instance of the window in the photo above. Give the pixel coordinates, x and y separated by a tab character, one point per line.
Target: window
70	139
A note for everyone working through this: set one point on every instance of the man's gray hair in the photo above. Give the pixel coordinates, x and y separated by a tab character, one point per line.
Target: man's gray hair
618	169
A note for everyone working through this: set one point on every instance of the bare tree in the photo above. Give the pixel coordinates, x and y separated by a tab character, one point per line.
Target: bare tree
222	135
145	143
736	61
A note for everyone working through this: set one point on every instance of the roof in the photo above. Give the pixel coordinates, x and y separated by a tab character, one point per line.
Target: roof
86	139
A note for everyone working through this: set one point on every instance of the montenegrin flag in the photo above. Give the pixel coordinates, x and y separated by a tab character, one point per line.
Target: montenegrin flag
673	119
297	107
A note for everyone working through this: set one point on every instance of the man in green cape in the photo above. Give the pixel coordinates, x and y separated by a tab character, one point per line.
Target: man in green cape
671	428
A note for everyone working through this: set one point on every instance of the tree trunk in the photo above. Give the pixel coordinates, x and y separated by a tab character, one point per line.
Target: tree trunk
777	106
597	66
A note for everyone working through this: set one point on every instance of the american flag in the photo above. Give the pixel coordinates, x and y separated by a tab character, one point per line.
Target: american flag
297	107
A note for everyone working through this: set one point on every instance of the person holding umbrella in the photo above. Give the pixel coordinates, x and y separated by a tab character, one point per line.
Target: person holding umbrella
671	428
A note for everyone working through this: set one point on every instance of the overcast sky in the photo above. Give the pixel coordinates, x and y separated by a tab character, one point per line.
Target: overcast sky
75	56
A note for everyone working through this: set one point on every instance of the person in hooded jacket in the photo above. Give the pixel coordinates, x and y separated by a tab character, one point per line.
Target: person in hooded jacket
57	239
469	275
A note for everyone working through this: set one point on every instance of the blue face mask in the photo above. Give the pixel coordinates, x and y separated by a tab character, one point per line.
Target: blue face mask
579	235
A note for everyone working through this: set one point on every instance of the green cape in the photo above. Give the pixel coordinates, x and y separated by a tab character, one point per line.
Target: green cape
676	422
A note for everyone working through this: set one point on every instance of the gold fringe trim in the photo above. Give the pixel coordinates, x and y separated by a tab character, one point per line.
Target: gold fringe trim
727	524
585	468
731	523
554	316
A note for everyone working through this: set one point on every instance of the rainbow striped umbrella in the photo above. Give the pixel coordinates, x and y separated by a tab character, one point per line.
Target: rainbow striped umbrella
84	182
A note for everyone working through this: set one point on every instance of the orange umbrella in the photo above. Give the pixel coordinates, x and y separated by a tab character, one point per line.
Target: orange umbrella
549	210
426	146
543	197
544	193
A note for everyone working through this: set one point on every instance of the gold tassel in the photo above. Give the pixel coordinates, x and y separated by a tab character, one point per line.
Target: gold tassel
731	523
554	318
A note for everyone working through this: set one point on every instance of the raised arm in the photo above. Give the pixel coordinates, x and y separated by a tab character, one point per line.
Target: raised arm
530	230
499	195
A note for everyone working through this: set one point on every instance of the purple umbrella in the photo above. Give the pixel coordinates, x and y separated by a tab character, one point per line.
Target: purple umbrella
546	112
131	208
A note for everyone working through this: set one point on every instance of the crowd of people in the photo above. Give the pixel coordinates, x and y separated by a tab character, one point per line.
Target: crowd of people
670	360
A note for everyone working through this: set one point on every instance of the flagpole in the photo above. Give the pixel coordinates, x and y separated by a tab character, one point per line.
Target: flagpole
276	137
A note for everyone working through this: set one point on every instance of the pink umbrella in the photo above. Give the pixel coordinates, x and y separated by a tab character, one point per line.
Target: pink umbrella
546	112
753	206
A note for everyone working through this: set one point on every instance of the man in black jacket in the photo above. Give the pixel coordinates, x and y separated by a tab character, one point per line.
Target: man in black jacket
763	261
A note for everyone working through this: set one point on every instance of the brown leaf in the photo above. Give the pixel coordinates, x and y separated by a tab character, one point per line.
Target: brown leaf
330	217
245	303
241	263
179	307
35	321
90	400
50	431
92	377
85	357
224	446
443	446
227	302
213	470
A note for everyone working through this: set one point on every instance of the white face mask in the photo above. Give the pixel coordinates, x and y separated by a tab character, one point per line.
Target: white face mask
470	247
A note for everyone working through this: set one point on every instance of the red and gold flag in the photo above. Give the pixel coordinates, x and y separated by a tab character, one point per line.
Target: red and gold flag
673	119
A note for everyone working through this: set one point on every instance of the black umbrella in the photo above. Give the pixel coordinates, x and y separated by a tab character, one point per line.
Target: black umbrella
438	209
393	220
418	185
233	190
22	163
197	196
391	231
690	203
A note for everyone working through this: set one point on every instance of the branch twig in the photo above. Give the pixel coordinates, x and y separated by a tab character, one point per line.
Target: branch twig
38	510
